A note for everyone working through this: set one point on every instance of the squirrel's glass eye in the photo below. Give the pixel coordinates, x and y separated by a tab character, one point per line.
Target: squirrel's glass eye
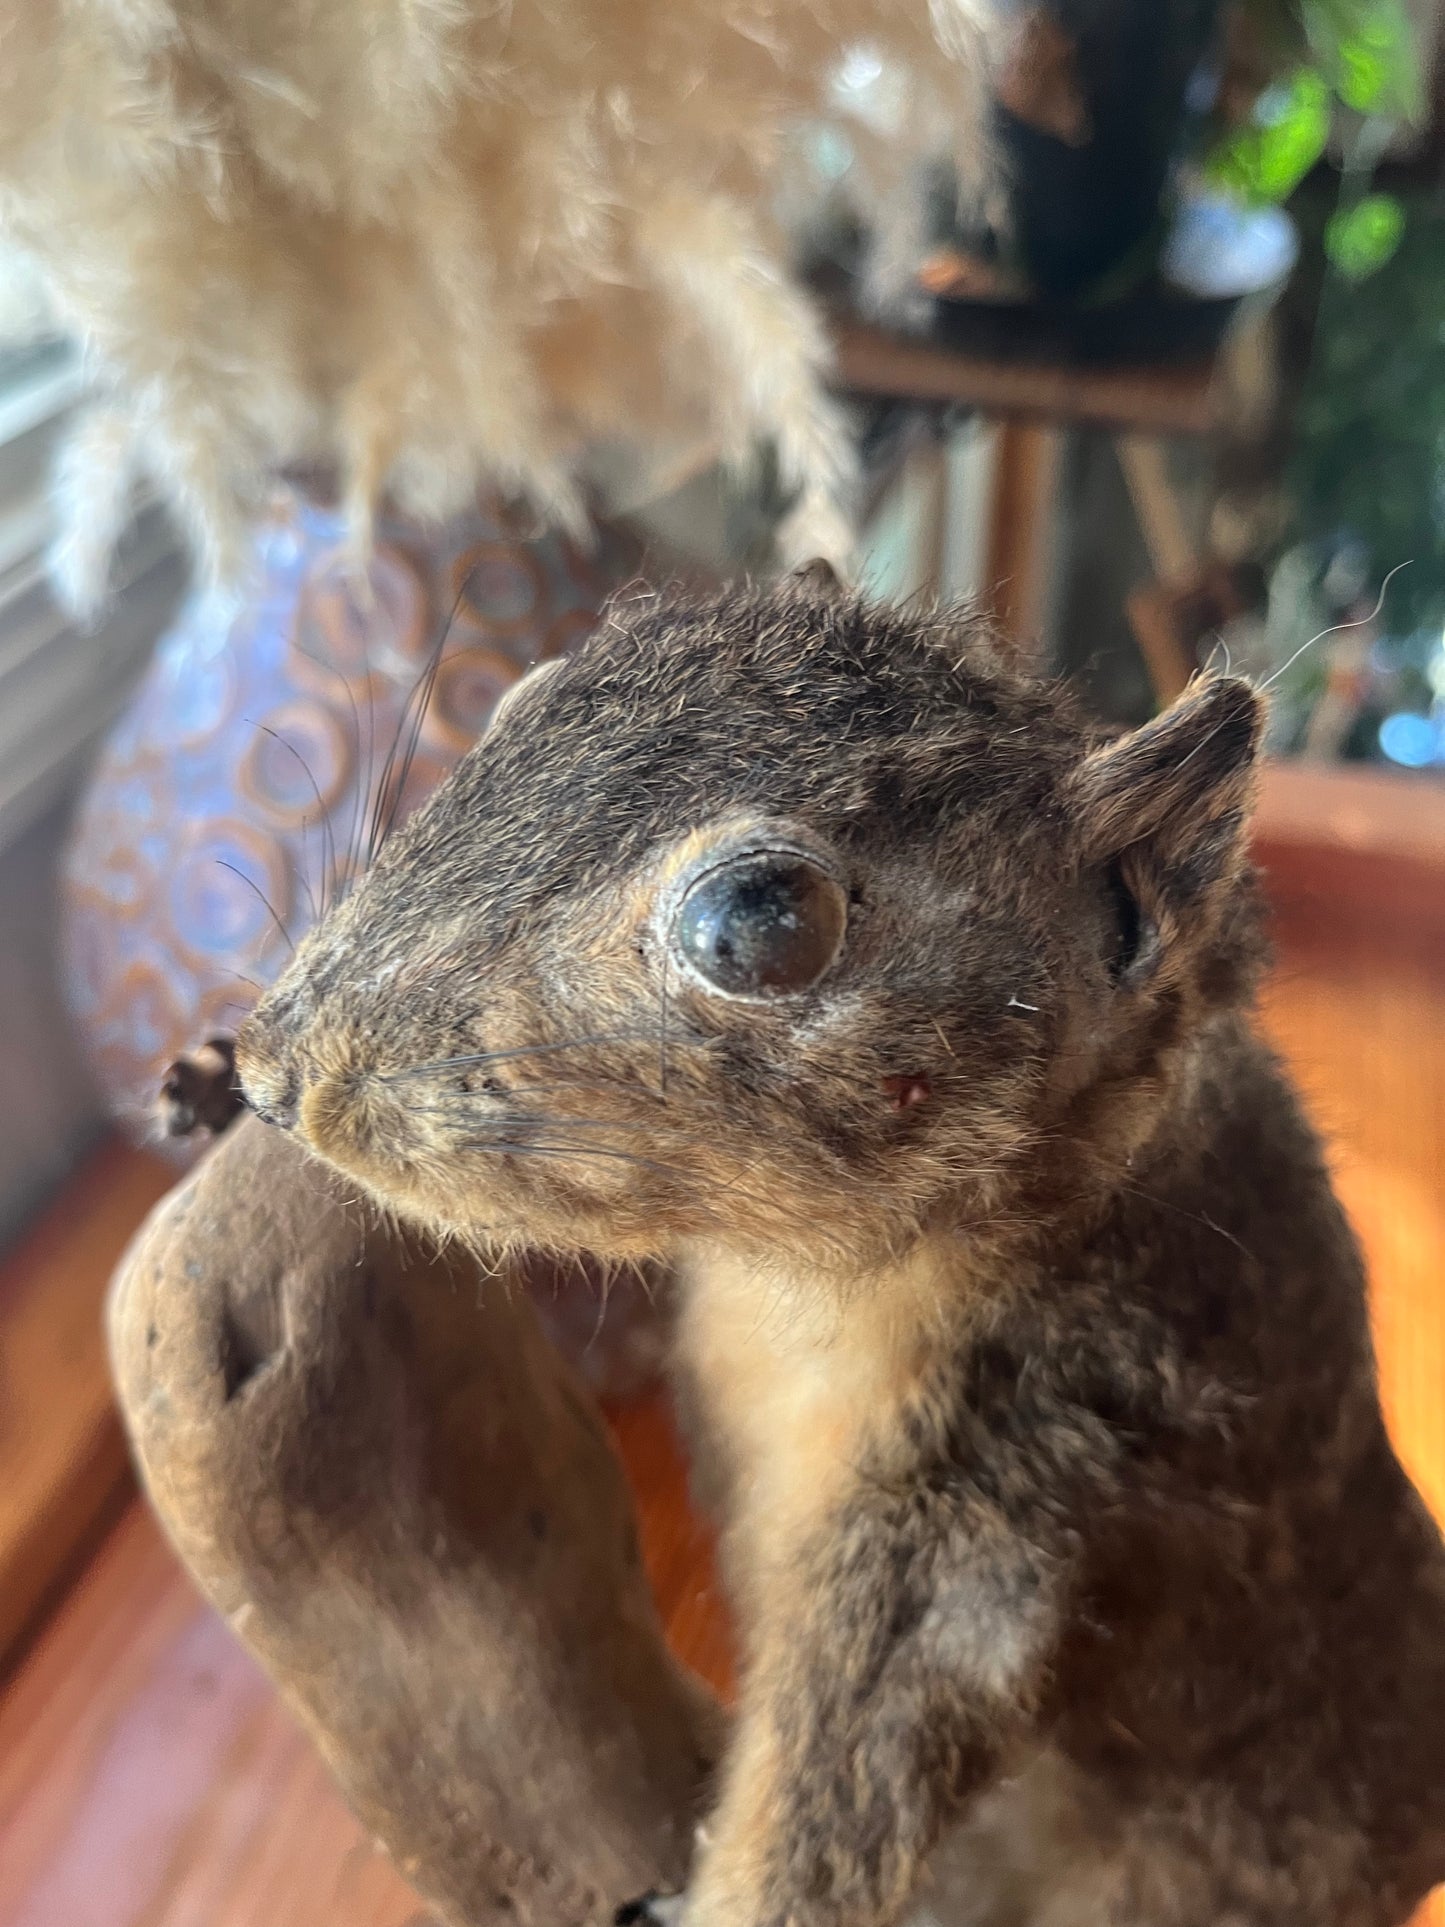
763	925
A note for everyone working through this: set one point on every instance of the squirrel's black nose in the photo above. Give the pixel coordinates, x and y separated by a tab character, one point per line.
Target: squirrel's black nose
269	1084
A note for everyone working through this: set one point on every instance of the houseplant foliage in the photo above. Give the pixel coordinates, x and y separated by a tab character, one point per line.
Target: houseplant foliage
1350	644
433	239
1107	111
1301	73
1369	446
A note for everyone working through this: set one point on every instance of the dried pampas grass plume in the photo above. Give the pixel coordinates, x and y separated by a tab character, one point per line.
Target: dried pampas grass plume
415	241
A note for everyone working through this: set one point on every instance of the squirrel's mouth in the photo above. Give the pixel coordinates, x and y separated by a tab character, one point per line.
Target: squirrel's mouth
338	1108
473	1155
558	1140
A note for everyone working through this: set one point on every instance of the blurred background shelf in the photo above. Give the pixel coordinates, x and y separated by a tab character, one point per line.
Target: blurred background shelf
1366	843
1153	397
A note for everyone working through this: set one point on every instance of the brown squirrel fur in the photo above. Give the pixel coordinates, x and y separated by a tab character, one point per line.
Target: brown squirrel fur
1076	1577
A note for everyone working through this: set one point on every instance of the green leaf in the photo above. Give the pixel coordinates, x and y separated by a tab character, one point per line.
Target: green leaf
1265	162
1359	240
1372	59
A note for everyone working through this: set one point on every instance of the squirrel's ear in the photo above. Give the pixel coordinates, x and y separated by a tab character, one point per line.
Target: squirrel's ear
1186	769
819	578
1165	810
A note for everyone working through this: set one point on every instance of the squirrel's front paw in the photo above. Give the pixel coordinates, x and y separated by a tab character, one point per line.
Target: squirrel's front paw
652	1910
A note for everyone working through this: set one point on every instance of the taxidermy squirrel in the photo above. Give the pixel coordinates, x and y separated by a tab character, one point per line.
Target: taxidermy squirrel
811	947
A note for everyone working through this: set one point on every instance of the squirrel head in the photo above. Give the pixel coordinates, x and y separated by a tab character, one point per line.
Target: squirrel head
774	918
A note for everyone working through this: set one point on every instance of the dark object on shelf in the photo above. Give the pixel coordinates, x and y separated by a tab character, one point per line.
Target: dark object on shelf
1090	111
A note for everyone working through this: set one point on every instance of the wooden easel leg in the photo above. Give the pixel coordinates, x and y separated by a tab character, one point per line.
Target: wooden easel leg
1153	607
1026	465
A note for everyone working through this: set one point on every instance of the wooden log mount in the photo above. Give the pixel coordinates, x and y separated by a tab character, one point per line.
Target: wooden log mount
407	1508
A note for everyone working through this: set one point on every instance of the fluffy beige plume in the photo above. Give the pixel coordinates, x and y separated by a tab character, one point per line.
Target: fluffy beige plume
415	241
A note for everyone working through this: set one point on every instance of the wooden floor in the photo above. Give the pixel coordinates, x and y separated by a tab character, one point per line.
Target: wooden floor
148	1777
